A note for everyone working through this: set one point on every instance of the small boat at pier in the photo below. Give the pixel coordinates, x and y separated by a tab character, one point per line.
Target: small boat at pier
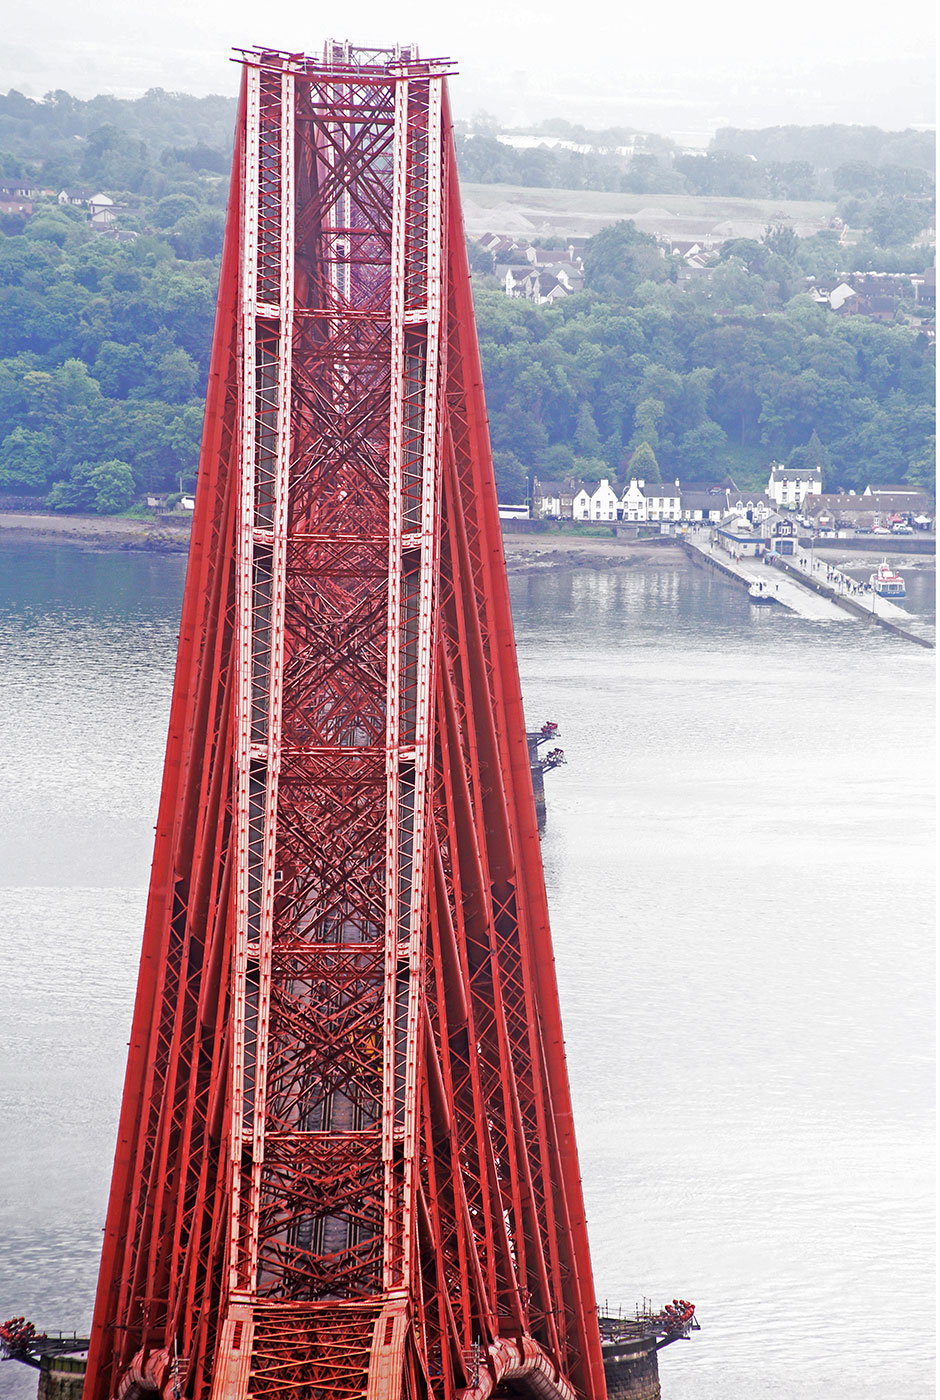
758	593
887	582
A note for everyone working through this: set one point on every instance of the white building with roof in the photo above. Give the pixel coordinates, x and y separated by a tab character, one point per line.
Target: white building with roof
663	500
756	506
741	538
644	501
595	500
699	506
633	501
788	487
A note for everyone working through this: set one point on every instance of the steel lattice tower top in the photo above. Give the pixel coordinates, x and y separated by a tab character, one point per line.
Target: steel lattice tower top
346	1163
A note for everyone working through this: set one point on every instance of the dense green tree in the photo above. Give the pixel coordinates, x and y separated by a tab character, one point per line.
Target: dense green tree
782	241
834	145
586	440
176	376
701	451
74	386
119	368
50	226
113	485
198	235
171	208
814	454
105	488
647	415
820	256
648	173
895	222
643	464
199	157
512	477
26	460
614	455
481	262
618	258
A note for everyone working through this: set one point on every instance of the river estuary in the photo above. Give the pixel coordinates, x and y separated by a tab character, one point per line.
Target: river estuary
739	863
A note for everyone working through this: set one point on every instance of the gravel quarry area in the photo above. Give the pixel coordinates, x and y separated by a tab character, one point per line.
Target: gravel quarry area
520	210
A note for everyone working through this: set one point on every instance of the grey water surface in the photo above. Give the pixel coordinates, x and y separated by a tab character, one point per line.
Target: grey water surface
739	862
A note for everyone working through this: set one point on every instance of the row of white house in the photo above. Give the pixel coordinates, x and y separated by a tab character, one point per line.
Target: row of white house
662	501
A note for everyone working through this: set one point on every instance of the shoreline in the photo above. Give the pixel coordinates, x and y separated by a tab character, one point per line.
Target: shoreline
159	536
526	553
539	554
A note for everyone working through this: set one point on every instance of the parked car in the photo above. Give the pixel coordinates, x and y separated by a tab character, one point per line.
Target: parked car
902	529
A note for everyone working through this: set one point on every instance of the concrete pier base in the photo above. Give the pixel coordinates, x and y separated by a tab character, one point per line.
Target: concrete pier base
538	780
61	1377
634	1376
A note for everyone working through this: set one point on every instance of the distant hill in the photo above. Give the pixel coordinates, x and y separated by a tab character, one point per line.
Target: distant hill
827	147
45	130
113	141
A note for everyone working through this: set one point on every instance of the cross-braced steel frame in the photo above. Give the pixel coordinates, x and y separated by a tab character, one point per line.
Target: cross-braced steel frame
346	1163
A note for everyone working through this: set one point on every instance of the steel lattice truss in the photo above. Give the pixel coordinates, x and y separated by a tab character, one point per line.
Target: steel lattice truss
346	1164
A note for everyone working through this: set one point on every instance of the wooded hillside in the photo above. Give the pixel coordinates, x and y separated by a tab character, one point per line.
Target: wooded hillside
105	336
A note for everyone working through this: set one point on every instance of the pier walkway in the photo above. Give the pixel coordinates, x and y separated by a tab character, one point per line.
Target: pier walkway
789	592
841	585
813	588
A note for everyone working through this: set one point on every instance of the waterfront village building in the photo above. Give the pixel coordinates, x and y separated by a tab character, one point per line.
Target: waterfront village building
903	490
652	501
741	538
595	500
552	500
755	507
871	511
659	503
700	506
789	486
779	533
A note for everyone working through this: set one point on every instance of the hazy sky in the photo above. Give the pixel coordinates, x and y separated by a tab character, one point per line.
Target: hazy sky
681	67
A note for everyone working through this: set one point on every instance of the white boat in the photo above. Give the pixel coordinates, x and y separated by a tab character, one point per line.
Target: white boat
887	582
758	593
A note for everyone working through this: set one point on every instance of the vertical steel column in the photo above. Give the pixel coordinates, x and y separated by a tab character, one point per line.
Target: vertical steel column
426	654
414	489
392	759
266	332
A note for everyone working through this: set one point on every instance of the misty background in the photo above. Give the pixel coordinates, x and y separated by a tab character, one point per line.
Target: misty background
683	70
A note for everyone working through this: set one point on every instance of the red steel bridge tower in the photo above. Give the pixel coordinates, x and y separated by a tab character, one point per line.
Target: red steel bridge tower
346	1163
